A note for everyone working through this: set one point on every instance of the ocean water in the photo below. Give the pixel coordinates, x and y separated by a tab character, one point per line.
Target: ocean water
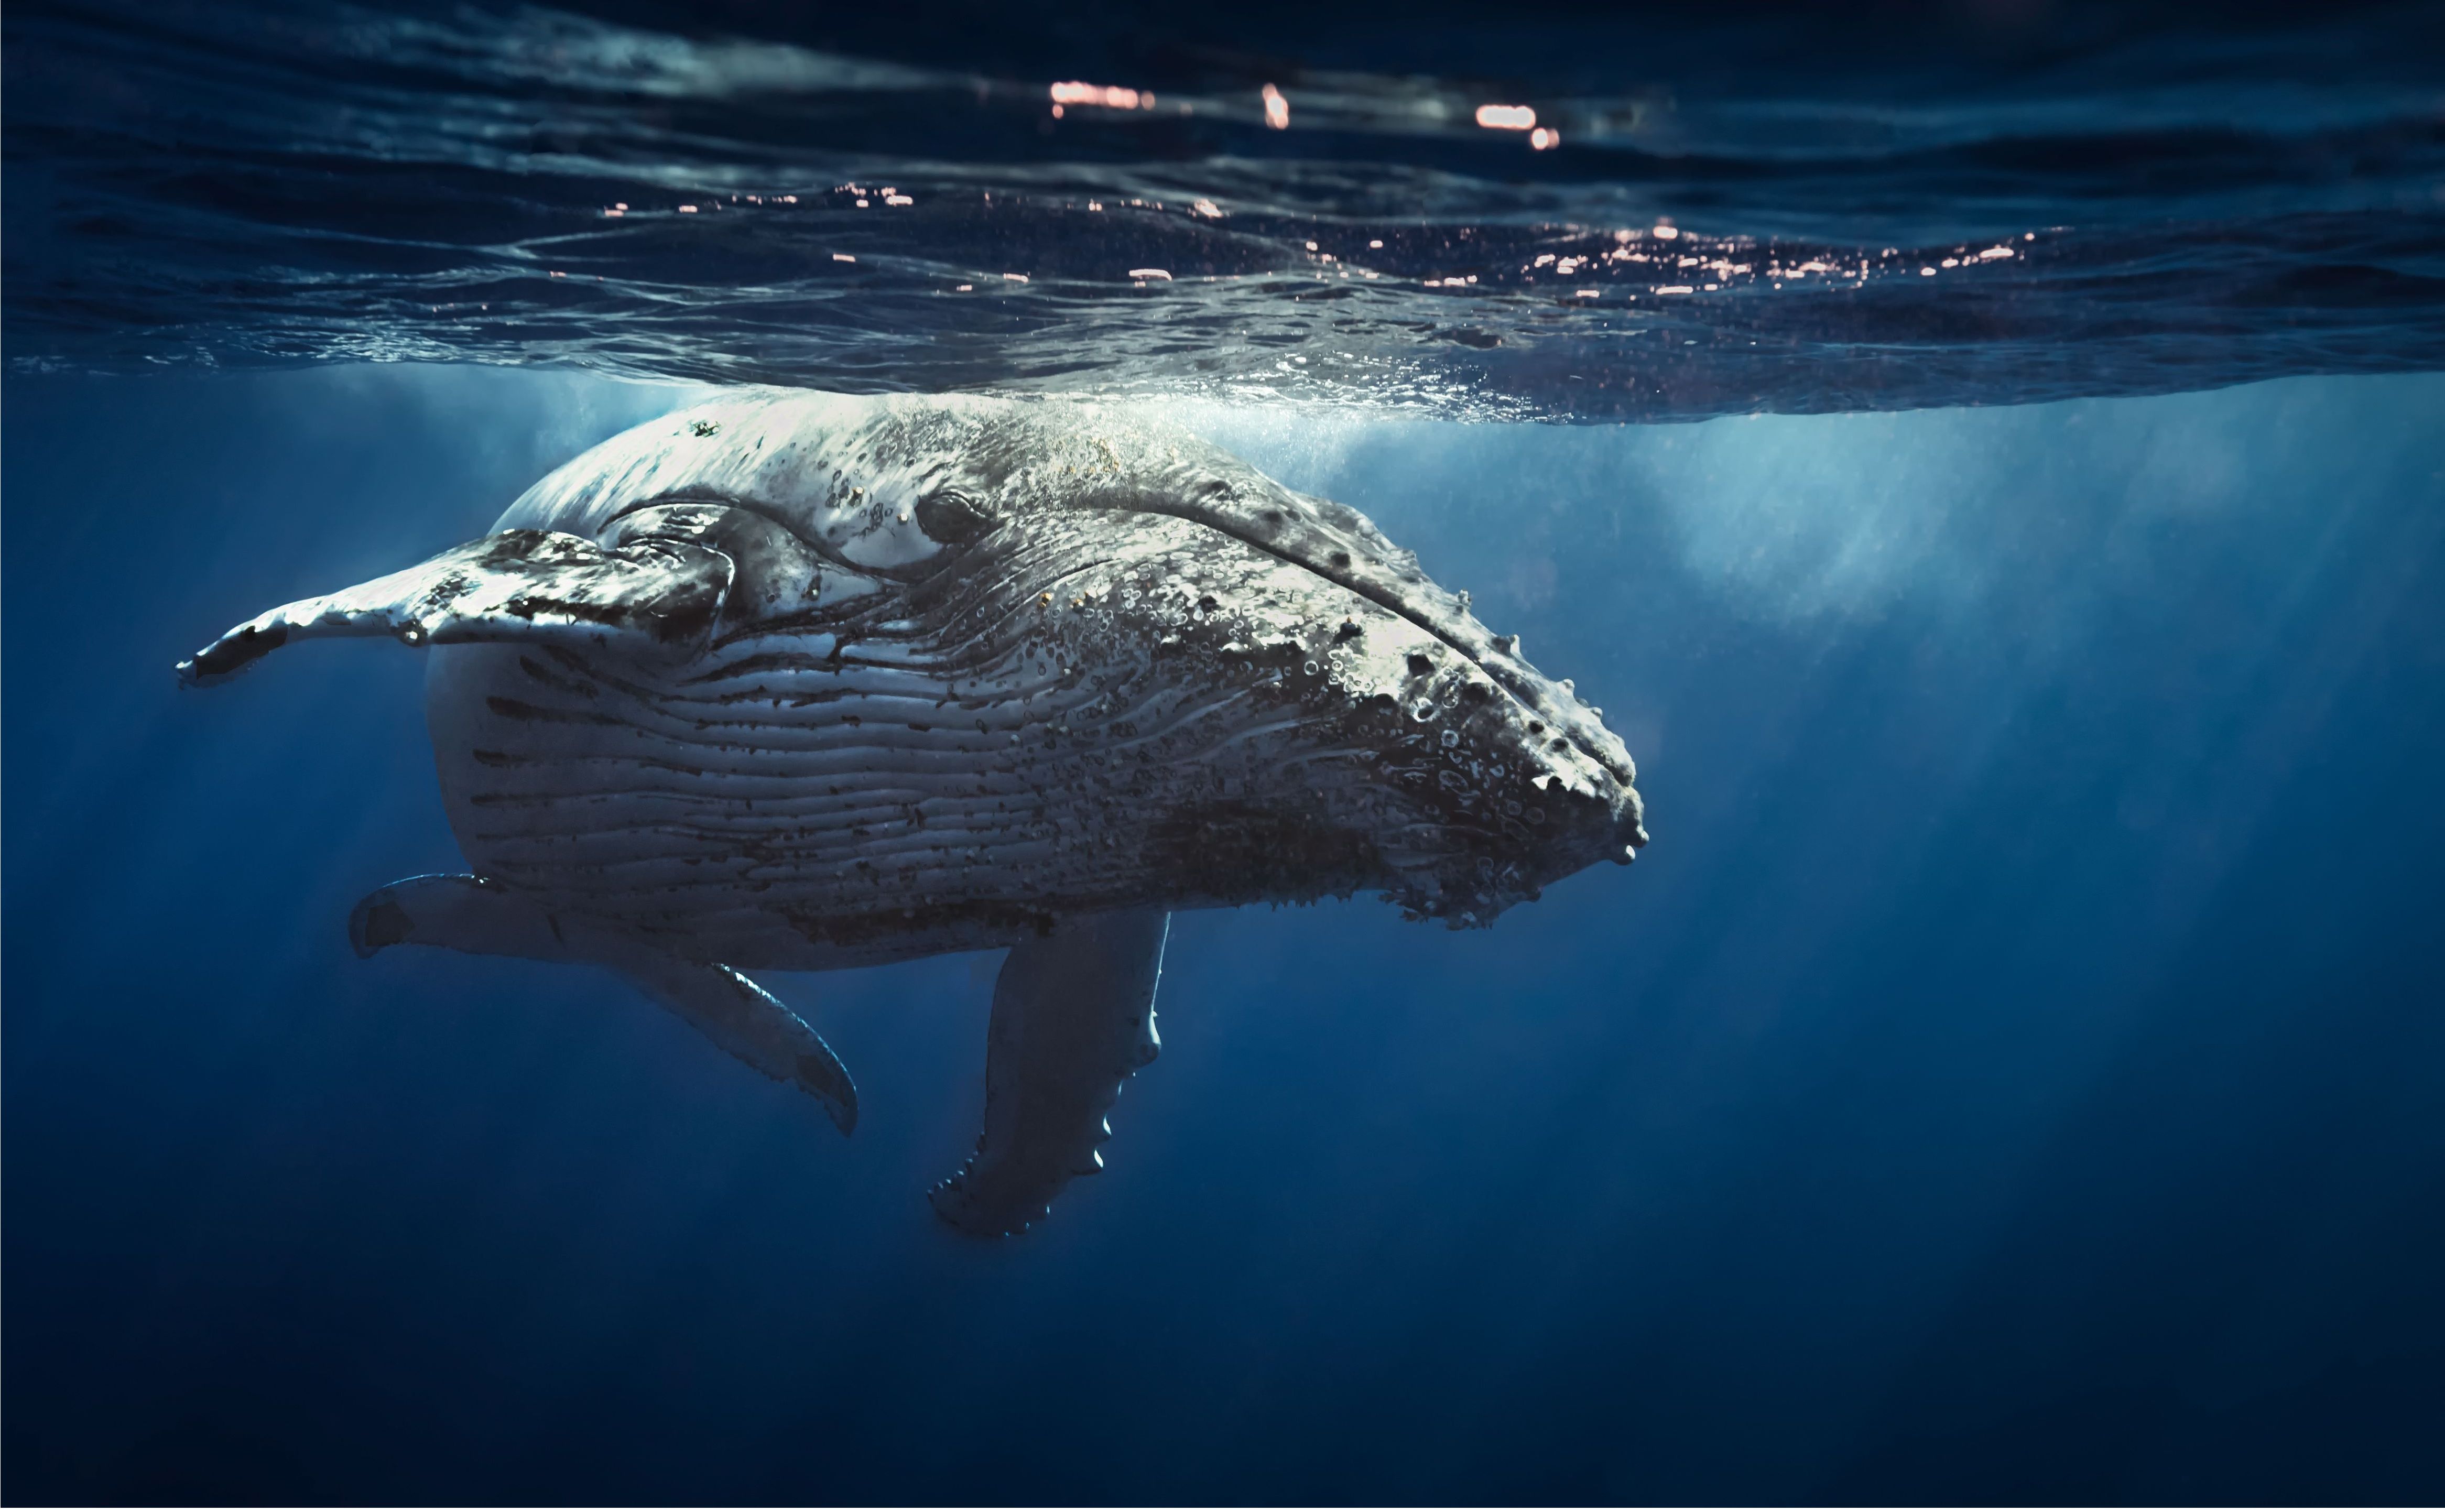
2013	1073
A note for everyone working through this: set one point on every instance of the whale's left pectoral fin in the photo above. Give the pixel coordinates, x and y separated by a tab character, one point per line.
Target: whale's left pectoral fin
1073	1019
651	590
484	917
752	1025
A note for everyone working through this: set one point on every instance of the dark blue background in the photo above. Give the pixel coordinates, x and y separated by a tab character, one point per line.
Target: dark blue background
2014	1073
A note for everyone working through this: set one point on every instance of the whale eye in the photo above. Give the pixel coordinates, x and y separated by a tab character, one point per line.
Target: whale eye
952	518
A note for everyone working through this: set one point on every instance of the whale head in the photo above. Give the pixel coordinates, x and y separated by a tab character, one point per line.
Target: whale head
1400	745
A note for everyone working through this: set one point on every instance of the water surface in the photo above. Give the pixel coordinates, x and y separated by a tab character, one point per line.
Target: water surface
1749	208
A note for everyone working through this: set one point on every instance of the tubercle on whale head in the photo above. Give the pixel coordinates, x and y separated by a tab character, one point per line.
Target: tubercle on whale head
1522	806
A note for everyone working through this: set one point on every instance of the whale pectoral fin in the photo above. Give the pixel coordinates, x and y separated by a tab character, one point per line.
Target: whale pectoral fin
1073	1019
752	1025
484	917
456	912
651	591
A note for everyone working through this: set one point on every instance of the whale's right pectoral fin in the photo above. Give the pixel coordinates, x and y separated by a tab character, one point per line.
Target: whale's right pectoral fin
1073	1019
484	917
652	590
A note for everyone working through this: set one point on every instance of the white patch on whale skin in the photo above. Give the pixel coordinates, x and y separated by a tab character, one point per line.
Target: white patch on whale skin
822	461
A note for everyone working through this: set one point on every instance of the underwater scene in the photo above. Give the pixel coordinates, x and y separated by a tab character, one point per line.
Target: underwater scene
1420	755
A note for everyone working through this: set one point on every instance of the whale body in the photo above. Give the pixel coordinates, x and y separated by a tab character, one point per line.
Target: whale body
794	681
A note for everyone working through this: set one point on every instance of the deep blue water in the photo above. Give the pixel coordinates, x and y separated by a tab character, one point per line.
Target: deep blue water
2013	1073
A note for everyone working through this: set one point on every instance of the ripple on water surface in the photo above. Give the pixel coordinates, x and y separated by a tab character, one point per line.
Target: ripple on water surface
1707	218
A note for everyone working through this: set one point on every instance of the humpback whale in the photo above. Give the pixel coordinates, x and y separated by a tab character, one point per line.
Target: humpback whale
791	681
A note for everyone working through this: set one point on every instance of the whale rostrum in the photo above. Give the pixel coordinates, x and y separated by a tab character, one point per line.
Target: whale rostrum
796	682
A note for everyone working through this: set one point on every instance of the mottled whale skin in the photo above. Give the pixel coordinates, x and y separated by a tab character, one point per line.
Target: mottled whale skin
792	681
